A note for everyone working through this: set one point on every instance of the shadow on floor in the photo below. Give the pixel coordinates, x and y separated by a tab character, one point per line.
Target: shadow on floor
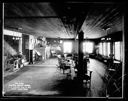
68	87
15	74
65	87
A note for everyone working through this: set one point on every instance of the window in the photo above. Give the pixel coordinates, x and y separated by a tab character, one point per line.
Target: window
104	49
88	47
100	49
117	50
108	49
67	47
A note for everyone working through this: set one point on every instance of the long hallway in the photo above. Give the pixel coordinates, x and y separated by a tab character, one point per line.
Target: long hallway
47	47
46	79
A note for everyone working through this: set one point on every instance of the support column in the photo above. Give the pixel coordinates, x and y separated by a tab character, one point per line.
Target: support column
31	56
81	68
111	48
20	45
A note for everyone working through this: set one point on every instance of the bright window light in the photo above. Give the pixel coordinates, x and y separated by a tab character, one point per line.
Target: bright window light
88	47
117	50
104	49
67	47
108	48
100	49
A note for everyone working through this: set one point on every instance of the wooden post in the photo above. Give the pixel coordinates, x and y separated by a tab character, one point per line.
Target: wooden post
80	53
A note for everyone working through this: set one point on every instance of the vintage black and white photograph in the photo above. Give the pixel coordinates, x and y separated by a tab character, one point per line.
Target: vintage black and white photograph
68	49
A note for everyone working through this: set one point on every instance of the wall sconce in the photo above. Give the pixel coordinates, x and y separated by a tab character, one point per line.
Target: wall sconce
108	38
102	38
16	38
13	38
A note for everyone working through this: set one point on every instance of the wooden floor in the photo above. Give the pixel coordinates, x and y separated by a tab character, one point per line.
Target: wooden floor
98	85
45	79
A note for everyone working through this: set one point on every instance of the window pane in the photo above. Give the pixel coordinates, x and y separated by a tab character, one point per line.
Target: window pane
104	49
100	49
88	47
117	50
67	46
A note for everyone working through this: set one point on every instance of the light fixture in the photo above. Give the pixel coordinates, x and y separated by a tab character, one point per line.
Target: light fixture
108	38
102	38
13	38
16	38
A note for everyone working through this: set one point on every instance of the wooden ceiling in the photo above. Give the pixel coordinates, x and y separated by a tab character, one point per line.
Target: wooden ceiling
63	20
